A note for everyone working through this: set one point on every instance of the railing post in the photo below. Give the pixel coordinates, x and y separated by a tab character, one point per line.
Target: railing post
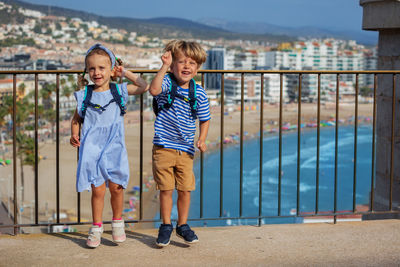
14	129
355	145
260	191
336	146
298	145
241	142
36	149
318	145
221	177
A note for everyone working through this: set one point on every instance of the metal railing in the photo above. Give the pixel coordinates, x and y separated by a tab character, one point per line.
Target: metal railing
16	225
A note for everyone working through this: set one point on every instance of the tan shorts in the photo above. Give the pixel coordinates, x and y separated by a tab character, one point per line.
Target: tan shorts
173	169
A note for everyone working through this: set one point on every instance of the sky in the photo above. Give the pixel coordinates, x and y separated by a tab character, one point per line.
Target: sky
327	14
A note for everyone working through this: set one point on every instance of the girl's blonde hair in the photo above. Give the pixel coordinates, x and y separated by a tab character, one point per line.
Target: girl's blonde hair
82	81
189	49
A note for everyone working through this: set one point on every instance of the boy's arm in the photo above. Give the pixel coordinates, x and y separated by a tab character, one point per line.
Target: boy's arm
201	142
75	125
156	83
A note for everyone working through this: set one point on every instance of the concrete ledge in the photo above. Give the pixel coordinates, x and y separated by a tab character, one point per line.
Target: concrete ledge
368	243
380	14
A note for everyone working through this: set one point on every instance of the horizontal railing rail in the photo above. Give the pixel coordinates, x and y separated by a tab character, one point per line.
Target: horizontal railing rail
222	98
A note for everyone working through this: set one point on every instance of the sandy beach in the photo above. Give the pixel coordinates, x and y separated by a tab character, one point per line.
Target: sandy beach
68	159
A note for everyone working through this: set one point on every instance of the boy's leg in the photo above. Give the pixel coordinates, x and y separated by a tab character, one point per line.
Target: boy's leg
117	202
163	172
183	204
166	205
165	230
185	183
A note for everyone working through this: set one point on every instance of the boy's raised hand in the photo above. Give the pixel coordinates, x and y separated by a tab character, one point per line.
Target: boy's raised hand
166	58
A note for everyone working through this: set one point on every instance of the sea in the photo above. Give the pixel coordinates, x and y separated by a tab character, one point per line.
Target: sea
230	206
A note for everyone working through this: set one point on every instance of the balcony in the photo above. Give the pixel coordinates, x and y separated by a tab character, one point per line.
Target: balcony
44	199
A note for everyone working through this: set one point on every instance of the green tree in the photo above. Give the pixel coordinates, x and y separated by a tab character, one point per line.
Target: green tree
48	114
365	91
25	144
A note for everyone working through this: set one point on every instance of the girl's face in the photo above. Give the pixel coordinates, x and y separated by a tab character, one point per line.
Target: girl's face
99	69
184	69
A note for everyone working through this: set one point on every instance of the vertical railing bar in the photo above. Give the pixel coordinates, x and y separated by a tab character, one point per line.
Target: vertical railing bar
241	143
58	146
336	145
355	144
298	145
392	141
141	157
318	145
78	196
36	149
261	150
373	147
280	145
221	177
14	119
202	170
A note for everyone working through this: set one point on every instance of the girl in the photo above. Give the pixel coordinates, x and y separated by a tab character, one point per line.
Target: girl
103	161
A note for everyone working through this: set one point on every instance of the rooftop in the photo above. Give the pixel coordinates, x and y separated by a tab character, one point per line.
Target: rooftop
366	243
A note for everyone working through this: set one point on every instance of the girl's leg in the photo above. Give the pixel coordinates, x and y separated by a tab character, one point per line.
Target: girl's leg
117	199
98	203
183	204
166	205
117	203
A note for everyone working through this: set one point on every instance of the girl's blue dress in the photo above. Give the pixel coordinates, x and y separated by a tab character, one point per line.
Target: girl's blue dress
102	153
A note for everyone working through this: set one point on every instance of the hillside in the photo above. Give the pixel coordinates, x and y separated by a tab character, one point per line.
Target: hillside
157	27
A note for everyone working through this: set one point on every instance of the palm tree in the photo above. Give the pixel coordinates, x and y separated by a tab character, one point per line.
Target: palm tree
48	104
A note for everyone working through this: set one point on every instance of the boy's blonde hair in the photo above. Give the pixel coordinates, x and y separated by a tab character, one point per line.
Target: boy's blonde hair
189	49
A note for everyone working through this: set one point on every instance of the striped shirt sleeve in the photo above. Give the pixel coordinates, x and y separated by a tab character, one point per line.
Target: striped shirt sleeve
203	110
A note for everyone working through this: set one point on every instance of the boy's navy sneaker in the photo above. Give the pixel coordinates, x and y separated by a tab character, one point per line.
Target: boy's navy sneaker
183	231
164	235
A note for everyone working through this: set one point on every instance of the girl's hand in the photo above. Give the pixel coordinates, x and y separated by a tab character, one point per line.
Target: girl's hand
166	58
119	71
74	140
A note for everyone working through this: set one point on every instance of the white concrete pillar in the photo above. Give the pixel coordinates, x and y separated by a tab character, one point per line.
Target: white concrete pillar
384	16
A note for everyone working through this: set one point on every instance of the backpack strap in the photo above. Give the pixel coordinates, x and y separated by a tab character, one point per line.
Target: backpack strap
86	100
173	88
193	98
116	93
117	97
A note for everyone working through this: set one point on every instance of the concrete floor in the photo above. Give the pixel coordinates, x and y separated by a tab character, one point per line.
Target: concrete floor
367	243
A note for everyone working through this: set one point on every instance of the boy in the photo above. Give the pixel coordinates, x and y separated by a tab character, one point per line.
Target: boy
175	127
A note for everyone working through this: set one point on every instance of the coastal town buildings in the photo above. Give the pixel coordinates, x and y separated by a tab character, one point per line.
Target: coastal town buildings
316	54
56	42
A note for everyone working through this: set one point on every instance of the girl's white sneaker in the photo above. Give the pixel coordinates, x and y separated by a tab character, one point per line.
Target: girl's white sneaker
118	231
94	238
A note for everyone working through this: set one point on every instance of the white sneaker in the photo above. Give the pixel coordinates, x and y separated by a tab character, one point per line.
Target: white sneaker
118	231
94	237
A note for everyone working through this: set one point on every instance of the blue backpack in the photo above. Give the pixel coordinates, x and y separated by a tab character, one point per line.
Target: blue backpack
192	100
117	97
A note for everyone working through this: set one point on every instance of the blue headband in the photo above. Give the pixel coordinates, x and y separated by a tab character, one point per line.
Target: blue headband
110	54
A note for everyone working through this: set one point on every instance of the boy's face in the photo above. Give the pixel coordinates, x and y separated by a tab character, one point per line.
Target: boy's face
99	69
184	69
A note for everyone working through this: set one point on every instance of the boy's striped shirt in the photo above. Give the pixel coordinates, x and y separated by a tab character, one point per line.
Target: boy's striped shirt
175	128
